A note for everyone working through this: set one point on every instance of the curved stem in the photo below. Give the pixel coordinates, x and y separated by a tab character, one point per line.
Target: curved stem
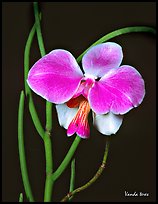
67	158
38	29
47	140
35	117
95	177
21	147
32	108
120	32
26	58
43	52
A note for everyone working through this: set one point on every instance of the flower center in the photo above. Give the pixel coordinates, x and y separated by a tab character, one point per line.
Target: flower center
79	123
85	86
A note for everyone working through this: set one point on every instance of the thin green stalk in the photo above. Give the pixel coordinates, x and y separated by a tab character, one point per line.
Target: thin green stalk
95	177
35	117
38	29
118	32
21	197
67	158
48	154
72	178
47	140
21	147
48	117
32	108
48	189
49	167
26	58
43	52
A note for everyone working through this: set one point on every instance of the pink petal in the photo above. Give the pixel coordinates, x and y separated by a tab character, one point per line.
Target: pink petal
79	124
102	58
117	92
107	124
56	76
81	130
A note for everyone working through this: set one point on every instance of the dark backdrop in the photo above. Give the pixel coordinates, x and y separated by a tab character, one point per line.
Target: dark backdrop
131	164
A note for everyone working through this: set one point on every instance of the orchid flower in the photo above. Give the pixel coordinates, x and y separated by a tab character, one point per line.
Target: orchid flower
105	87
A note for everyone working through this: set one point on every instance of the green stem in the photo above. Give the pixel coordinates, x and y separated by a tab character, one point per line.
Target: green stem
48	189
49	167
48	116
35	117
48	154
26	58
47	140
21	197
67	158
95	177
72	178
21	146
38	29
32	108
119	32
43	52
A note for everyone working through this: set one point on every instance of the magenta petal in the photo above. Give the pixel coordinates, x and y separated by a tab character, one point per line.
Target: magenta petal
80	129
118	91
55	77
102	58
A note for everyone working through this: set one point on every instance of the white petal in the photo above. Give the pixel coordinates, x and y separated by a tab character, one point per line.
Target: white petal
65	114
107	124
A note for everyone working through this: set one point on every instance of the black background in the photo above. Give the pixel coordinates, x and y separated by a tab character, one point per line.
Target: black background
131	164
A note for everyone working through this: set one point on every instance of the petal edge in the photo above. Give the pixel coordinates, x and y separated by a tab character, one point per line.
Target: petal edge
101	58
55	77
107	124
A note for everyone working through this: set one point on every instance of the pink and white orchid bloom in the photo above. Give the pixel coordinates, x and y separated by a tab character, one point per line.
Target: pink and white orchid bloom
107	88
